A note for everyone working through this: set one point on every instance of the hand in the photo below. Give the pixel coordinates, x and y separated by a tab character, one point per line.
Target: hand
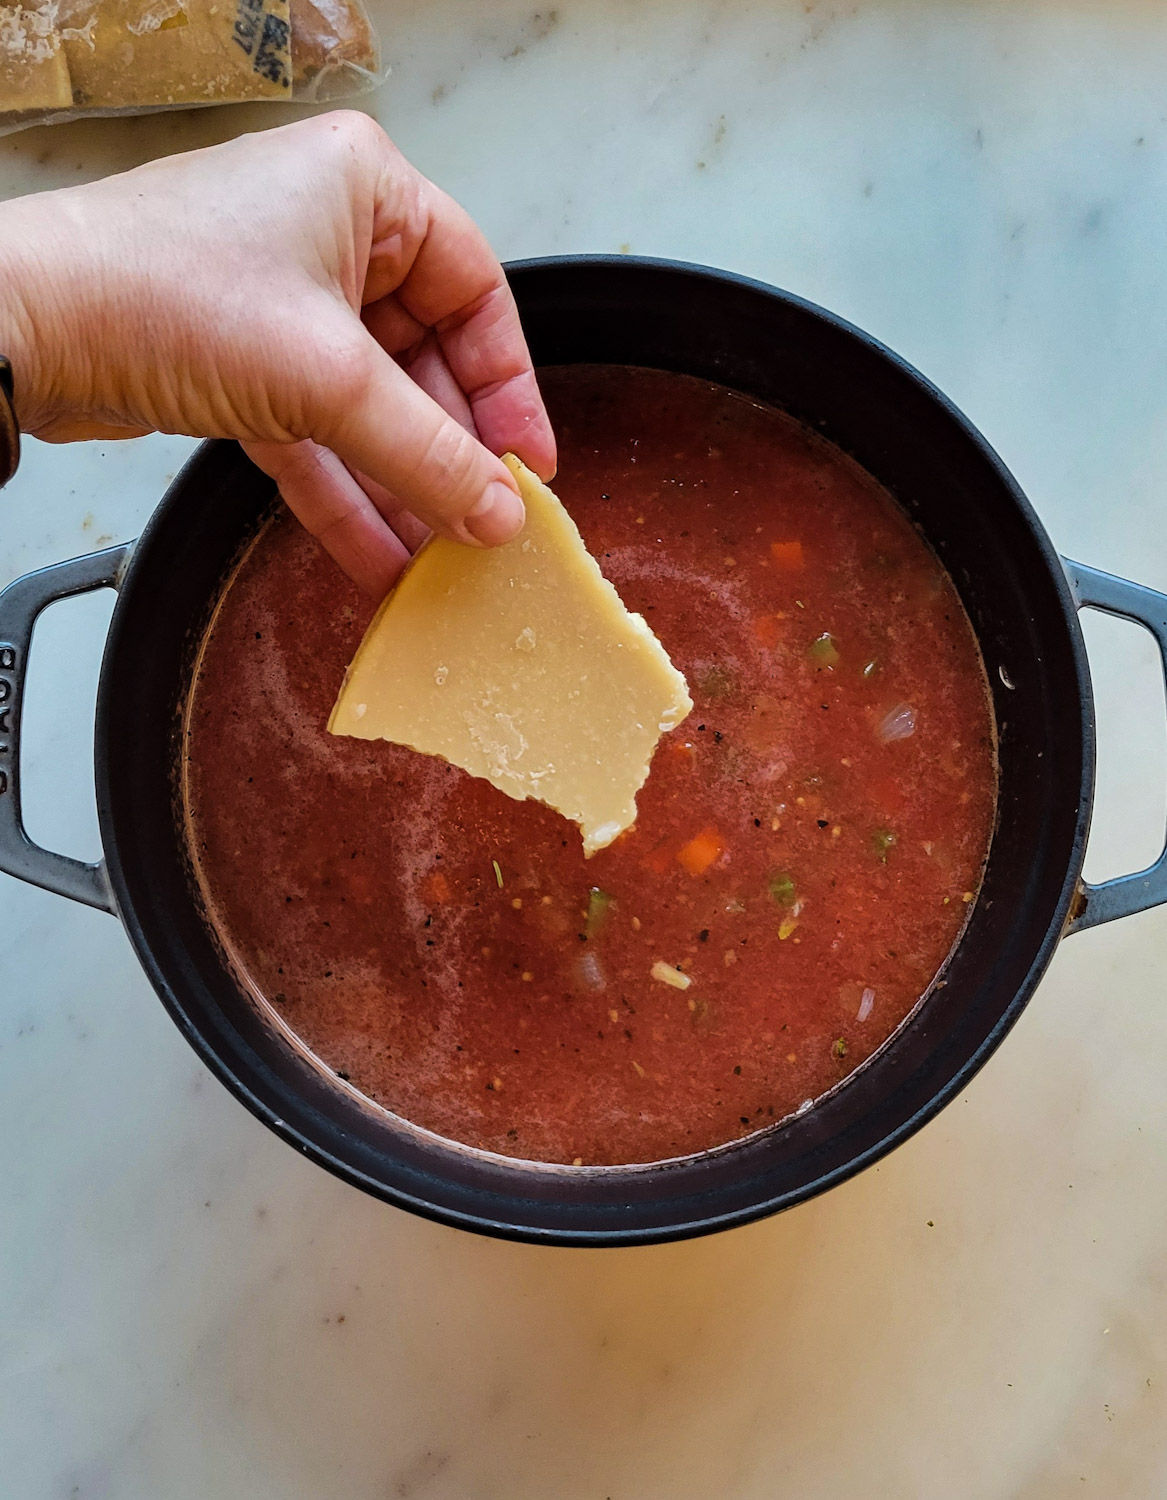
305	291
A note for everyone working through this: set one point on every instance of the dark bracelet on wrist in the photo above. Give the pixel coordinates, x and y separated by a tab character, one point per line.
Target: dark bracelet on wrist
9	430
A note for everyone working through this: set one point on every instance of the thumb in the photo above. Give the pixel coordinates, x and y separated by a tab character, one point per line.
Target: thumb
382	424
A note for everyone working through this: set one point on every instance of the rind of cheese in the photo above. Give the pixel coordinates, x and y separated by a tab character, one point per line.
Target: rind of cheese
33	72
140	53
520	664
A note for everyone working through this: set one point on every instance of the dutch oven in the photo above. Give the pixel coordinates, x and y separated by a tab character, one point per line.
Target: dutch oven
1023	601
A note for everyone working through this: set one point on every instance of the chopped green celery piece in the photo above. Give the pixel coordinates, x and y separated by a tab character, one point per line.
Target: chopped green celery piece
497	872
840	1049
825	650
781	888
881	841
598	903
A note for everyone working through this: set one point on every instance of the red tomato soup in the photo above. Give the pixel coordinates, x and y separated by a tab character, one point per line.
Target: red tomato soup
808	843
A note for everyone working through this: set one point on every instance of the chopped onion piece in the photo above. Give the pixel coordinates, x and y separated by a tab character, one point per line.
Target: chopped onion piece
898	723
667	974
866	1004
589	970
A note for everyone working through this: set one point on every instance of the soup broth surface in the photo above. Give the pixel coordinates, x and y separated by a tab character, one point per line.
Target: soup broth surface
808	842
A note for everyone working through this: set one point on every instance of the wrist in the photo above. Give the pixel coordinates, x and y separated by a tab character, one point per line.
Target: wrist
32	295
9	428
16	339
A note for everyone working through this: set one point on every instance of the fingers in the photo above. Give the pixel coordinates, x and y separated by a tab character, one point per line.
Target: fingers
506	411
331	505
402	522
381	423
392	326
364	527
456	286
485	349
426	366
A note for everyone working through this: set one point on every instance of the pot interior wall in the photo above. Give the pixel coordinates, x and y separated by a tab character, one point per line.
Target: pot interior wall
795	357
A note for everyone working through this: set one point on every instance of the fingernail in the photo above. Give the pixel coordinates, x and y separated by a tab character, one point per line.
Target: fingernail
497	517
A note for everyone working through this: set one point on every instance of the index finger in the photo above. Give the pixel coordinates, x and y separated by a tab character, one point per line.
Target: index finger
456	286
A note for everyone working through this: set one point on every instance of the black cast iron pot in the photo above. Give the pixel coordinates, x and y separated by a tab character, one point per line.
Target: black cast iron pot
1023	602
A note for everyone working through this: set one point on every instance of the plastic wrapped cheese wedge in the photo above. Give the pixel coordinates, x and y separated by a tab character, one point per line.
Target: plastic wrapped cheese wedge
61	59
521	665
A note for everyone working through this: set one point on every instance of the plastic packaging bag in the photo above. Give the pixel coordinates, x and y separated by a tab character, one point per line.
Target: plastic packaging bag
67	59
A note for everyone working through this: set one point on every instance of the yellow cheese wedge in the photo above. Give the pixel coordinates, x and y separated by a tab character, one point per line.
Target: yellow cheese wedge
519	664
33	72
138	53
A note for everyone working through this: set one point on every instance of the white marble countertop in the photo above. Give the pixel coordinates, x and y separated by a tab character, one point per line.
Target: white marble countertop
192	1312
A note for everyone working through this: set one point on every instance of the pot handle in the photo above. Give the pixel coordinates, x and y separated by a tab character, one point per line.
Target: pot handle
1125	894
20	604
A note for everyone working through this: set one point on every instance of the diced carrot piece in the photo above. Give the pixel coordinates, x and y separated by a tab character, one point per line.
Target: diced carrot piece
767	630
787	555
437	887
700	852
